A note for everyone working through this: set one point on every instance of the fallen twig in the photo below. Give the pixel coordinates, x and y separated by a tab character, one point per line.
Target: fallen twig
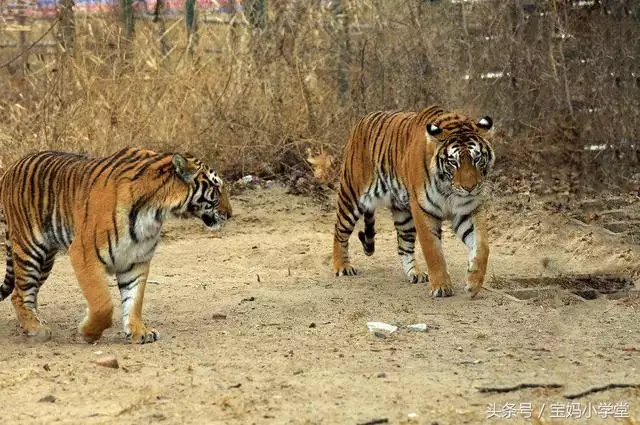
600	389
515	388
375	422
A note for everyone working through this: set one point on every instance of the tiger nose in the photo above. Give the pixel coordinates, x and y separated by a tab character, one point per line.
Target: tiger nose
469	186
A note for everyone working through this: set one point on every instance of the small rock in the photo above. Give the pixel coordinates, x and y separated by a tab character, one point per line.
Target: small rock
491	349
218	316
46	367
417	327
48	399
108	361
381	375
459	349
380	335
312	325
158	416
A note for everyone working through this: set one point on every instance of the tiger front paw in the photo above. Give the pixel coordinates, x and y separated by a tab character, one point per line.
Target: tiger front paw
346	270
94	324
441	287
35	328
40	333
420	277
142	335
474	284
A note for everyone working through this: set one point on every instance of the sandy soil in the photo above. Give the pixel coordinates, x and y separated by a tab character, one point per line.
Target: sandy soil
255	329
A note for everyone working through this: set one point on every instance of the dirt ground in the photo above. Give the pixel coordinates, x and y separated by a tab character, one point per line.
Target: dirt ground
255	329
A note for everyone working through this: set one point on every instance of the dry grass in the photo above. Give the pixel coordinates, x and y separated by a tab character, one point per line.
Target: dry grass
256	100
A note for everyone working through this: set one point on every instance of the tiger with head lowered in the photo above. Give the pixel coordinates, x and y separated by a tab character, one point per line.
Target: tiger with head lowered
425	167
107	213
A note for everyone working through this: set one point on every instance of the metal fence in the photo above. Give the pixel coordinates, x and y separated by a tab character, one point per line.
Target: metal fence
49	8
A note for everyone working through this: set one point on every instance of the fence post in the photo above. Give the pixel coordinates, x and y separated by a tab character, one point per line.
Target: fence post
343	50
67	29
22	36
516	83
191	24
162	28
128	20
256	12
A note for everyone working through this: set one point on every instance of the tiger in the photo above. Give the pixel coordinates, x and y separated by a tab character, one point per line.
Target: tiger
107	213
424	166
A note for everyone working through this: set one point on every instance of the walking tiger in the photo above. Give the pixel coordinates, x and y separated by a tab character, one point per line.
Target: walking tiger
108	213
425	167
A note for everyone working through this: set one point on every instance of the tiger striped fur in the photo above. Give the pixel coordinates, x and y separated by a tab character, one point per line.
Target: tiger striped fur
108	213
426	167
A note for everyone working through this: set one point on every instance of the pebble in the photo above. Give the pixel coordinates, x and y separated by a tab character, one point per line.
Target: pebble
48	399
108	361
418	327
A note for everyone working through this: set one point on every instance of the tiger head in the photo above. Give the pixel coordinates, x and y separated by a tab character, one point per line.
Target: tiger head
208	197
462	157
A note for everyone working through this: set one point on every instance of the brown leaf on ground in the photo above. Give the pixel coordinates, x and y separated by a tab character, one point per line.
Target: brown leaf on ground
322	165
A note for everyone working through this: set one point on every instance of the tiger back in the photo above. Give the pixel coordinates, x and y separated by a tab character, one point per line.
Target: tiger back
426	167
107	213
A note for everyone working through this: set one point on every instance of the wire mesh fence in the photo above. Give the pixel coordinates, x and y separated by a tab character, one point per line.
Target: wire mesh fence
255	83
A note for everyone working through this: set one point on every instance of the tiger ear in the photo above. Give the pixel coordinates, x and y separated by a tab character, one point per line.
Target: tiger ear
184	171
485	123
433	130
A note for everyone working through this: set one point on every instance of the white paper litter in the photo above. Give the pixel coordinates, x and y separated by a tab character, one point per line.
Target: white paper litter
381	327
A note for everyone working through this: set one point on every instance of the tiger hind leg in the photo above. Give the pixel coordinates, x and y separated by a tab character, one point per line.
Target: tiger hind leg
367	237
346	218
406	231
9	278
28	271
